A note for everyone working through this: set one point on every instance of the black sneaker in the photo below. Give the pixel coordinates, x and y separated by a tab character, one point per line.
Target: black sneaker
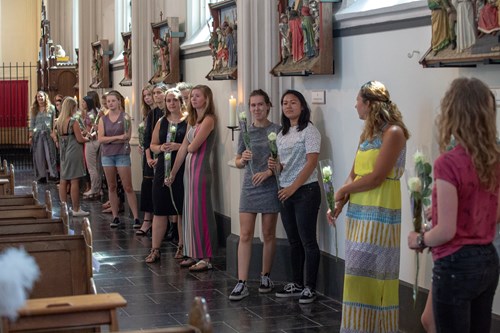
266	285
290	290
308	296
239	292
137	224
116	223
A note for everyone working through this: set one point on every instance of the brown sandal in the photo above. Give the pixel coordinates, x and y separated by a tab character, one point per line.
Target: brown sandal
153	256
178	254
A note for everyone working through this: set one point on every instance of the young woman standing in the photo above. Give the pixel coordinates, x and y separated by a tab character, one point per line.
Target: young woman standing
259	194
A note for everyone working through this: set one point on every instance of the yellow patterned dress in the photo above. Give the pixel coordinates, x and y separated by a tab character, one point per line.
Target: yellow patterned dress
371	298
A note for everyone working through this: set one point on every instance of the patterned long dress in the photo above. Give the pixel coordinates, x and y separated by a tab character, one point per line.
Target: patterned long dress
371	298
198	219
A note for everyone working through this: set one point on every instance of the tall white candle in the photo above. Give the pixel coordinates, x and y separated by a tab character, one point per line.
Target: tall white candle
232	111
127	106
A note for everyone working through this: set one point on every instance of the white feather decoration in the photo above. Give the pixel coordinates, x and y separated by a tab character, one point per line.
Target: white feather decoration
17	274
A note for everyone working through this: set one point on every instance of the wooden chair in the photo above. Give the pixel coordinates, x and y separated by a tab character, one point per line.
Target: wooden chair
199	321
70	312
28	199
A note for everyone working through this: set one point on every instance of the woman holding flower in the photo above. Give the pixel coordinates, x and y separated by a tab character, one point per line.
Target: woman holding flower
465	210
259	194
92	148
146	205
43	146
71	141
167	201
198	219
373	223
114	134
298	149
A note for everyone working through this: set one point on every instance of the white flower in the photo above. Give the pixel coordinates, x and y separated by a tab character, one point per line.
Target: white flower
141	125
414	184
418	157
243	116
272	136
173	129
91	116
167	157
327	171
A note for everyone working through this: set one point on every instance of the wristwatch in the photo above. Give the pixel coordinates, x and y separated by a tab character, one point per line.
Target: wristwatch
420	240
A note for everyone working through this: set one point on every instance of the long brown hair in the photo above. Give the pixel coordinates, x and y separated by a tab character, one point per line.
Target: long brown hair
178	96
382	112
192	117
145	108
468	112
35	108
68	106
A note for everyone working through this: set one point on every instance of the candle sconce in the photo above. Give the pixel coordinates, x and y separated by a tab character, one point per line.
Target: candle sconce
233	129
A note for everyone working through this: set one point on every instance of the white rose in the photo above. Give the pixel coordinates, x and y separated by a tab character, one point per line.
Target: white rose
173	129
243	116
327	171
418	157
167	157
414	184
272	136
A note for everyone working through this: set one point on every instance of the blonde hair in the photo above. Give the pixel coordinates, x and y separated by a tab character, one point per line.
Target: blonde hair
468	112
382	112
35	108
192	117
67	108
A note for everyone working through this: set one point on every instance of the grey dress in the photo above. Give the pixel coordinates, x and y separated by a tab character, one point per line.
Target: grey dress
72	163
262	198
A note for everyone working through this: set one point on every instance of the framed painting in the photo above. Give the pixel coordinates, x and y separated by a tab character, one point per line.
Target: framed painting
305	38
223	27
165	60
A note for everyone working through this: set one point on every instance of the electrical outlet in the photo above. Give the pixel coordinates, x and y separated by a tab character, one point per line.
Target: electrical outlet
318	97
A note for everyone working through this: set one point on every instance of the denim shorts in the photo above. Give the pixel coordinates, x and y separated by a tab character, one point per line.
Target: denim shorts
116	160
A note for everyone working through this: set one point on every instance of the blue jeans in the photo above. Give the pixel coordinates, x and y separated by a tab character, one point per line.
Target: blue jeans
299	214
463	287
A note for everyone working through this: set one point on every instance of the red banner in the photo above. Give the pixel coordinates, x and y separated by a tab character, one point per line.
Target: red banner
14	106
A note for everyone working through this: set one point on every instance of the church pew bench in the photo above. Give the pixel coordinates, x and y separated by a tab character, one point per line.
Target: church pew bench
68	312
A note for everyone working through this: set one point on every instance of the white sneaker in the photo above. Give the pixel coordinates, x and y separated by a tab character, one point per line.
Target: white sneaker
79	213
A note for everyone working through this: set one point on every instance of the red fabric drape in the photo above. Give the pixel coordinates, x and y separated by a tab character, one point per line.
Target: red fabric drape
14	103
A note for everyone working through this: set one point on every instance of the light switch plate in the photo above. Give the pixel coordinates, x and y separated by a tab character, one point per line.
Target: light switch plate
318	97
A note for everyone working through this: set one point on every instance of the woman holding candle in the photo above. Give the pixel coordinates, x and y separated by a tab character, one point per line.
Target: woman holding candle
198	219
168	202
259	194
114	135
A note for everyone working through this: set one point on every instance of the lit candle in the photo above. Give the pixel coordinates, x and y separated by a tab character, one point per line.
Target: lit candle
127	106
232	111
76	99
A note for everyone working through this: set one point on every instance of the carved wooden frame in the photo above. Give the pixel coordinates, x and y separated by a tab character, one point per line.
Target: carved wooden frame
166	33
101	56
219	71
320	64
127	52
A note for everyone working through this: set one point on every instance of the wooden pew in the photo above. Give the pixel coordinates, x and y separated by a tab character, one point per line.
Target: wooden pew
25	203
70	312
65	262
3	168
28	199
199	321
26	212
7	181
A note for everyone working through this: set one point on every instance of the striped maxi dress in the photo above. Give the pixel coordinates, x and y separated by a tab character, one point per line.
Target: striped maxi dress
371	296
198	219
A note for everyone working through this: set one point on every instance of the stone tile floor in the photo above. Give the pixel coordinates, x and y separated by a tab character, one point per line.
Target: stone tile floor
160	294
